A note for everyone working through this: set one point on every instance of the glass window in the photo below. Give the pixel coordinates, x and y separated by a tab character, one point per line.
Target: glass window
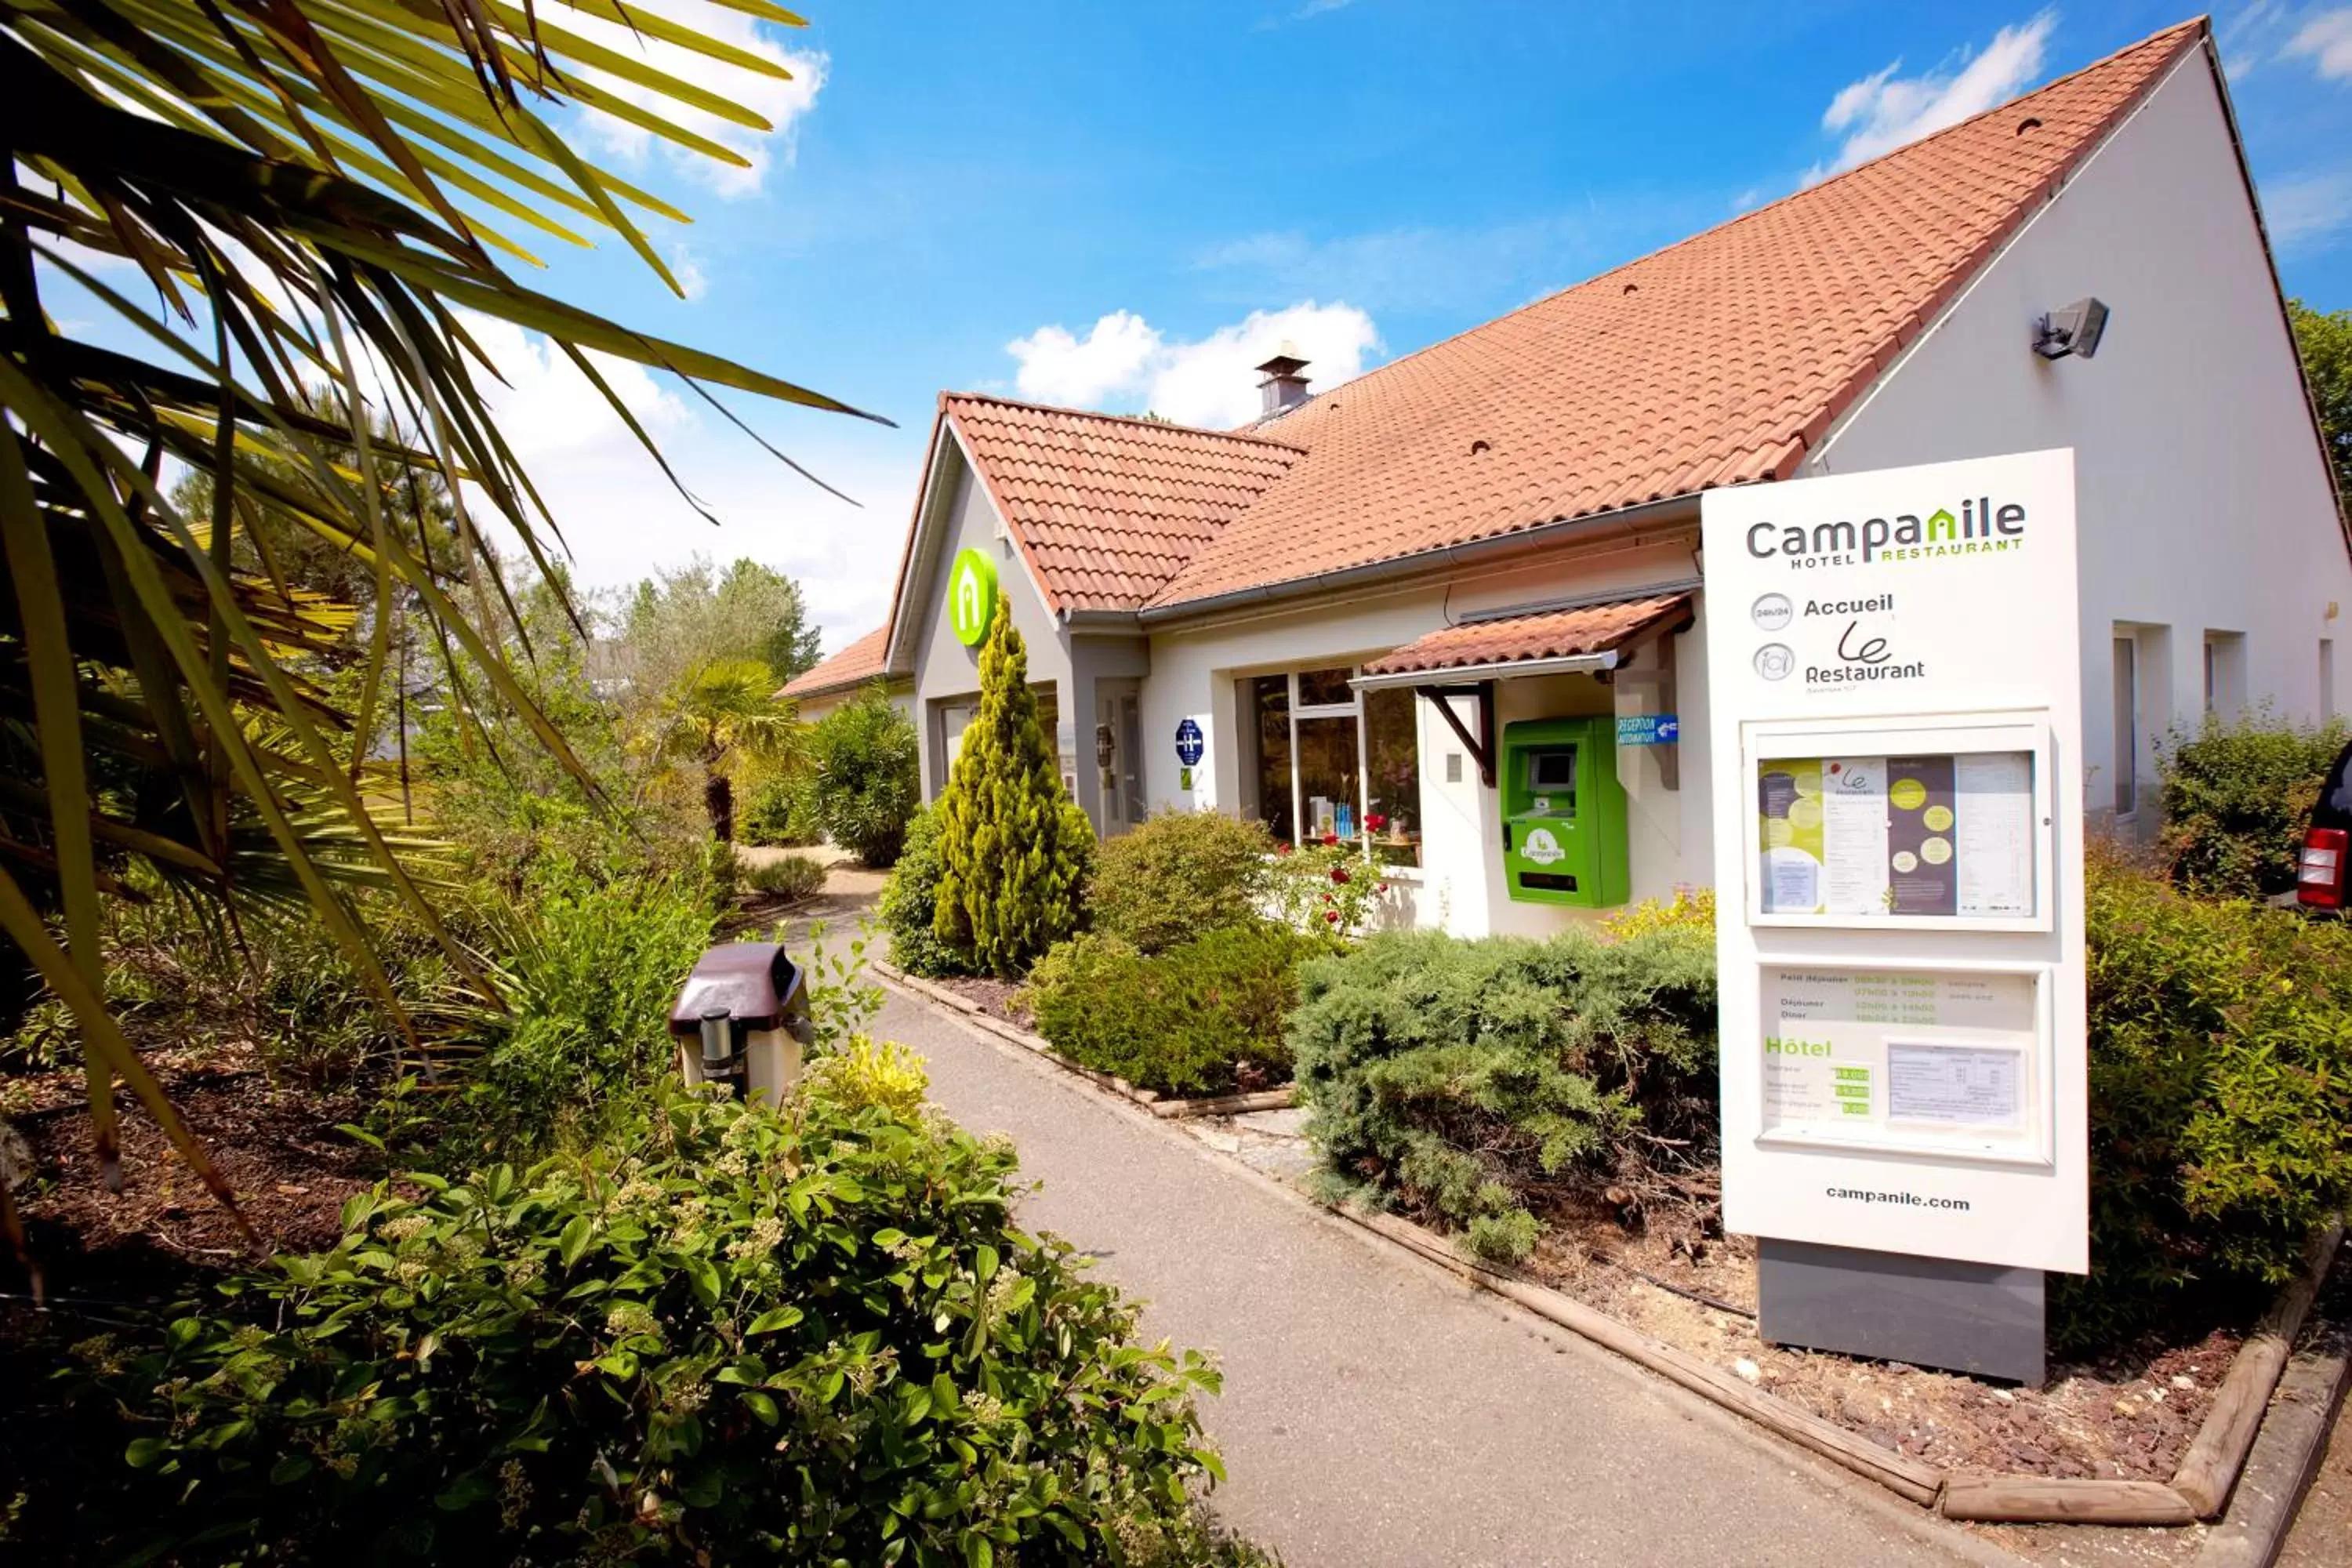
1328	778
1393	777
1270	698
1326	689
1330	766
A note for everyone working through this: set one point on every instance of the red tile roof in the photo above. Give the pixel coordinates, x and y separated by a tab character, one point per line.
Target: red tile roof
1110	508
1543	634
1713	362
858	663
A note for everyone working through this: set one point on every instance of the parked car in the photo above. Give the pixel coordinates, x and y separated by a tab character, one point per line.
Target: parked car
2319	877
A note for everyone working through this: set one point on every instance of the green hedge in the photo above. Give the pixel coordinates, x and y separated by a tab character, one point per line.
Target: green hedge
865	787
2237	795
1178	875
2220	1080
910	904
779	813
1182	1022
1462	1077
809	1337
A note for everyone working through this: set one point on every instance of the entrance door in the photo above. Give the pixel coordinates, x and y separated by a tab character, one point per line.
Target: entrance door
1130	762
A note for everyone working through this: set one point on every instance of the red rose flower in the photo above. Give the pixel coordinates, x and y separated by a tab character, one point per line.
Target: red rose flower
1340	875
1281	848
1332	916
1374	821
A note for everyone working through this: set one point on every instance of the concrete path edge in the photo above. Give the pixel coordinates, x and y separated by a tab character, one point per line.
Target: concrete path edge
2286	1453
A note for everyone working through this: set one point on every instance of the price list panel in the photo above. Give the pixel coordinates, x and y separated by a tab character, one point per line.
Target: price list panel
1950	1061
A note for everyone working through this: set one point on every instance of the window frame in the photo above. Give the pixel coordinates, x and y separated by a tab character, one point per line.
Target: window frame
1353	711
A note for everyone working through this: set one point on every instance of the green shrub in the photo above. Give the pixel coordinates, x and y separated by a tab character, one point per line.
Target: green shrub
588	972
809	1336
1015	852
1181	1022
864	754
779	813
786	876
2221	1091
1460	1077
2236	794
910	904
1178	875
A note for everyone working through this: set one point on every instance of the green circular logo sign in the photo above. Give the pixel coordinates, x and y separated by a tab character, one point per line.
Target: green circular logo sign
971	596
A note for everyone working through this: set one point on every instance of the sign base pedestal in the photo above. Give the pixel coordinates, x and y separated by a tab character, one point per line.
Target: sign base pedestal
1891	1306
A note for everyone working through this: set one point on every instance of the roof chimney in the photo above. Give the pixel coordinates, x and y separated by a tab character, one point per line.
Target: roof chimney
1284	388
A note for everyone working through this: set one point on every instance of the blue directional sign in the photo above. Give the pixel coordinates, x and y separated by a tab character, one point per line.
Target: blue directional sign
1648	728
1190	743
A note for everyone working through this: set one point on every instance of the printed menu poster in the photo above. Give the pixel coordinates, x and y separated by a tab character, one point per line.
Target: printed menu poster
1993	837
1919	837
1950	835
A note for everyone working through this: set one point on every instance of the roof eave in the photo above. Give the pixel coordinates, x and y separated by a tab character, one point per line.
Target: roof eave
1666	509
1495	670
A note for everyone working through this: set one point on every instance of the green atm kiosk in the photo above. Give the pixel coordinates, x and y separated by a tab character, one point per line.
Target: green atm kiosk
1564	813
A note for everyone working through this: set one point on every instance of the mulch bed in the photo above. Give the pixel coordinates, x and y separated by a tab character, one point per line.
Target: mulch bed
108	1259
992	997
2129	1415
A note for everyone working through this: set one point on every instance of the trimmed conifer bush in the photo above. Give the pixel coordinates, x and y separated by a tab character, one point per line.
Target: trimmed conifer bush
1015	852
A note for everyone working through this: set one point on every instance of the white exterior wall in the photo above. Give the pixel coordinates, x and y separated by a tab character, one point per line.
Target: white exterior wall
1459	886
811	709
2204	498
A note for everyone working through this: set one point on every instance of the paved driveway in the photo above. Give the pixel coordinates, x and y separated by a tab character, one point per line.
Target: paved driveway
1377	1412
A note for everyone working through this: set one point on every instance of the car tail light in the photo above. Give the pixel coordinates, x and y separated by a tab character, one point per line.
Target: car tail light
2319	876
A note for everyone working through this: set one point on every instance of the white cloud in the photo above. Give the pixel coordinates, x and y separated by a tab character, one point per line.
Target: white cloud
783	103
621	519
686	268
2305	213
1125	361
2326	41
1883	111
547	408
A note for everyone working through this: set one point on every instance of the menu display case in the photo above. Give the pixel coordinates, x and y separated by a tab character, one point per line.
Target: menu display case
1938	824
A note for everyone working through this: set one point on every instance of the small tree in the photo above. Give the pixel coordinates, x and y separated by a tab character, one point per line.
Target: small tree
2323	339
1015	850
864	758
722	714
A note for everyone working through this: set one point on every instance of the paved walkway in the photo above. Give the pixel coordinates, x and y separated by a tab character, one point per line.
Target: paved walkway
1378	1413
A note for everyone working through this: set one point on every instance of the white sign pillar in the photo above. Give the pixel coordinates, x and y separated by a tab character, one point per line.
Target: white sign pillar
1894	671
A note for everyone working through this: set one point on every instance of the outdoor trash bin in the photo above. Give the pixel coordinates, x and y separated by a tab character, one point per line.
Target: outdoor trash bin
742	1019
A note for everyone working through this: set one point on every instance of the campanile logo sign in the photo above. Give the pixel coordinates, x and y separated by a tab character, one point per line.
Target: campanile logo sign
971	596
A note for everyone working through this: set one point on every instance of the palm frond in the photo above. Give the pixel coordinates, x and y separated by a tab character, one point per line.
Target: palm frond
311	184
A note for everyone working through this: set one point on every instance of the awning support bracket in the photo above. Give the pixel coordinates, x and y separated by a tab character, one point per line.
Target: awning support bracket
1482	747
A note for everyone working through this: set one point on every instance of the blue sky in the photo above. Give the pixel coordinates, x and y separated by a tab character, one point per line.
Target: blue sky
1121	204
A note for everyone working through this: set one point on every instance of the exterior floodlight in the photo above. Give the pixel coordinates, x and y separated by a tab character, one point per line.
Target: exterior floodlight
2076	329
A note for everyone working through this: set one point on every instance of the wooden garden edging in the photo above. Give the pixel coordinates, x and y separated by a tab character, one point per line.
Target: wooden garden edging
1158	1104
2209	1466
2201	1485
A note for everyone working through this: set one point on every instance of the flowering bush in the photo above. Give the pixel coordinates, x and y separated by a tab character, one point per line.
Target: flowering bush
1690	907
1327	888
810	1335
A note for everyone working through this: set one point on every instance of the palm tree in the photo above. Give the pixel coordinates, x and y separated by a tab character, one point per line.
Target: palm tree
725	712
318	192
